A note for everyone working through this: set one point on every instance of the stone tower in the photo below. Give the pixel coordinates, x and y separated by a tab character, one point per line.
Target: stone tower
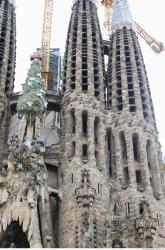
82	172
7	63
110	177
137	168
96	180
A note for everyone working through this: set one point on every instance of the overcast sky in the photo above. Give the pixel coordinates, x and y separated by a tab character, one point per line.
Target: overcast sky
148	13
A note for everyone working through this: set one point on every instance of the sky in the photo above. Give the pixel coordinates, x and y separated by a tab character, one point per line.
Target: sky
148	13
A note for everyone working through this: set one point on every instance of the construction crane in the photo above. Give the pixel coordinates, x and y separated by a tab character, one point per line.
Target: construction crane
156	46
44	54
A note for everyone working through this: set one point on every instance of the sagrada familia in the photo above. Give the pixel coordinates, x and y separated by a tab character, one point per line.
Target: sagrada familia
97	180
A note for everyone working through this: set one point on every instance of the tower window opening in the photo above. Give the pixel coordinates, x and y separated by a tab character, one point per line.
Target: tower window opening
141	209
96	126
84	123
85	150
126	175
73	121
135	141
138	177
127	208
84	88
111	160
73	148
123	146
132	109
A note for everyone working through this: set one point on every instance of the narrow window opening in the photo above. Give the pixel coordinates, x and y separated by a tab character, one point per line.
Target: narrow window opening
96	126
123	146
111	160
126	176
158	219
135	140
115	210
73	148
84	124
141	209
85	88
128	208
85	150
62	178
73	118
138	177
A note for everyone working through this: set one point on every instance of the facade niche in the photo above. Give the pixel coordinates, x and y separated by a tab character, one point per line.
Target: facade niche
135	141
84	124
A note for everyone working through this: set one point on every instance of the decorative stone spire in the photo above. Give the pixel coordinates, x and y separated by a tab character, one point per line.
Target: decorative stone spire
122	16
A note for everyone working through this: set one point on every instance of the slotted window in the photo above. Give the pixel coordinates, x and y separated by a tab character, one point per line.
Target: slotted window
84	124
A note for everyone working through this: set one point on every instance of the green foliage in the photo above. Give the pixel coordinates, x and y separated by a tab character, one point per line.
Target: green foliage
32	101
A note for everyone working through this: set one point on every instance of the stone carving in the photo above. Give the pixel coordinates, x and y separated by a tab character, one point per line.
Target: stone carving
21	182
85	196
146	225
115	232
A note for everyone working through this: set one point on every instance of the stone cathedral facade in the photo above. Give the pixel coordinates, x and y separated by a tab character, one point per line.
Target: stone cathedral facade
98	180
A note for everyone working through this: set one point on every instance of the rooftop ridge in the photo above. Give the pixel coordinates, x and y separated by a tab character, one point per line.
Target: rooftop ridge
122	16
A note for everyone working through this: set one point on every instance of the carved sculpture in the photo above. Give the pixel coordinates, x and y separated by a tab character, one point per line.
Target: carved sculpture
146	225
85	196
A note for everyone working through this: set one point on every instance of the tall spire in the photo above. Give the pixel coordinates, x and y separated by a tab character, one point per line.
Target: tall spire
122	16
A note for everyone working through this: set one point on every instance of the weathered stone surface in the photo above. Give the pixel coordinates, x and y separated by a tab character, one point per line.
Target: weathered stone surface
97	181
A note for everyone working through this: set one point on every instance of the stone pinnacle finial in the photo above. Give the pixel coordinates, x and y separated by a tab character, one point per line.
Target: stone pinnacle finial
122	16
